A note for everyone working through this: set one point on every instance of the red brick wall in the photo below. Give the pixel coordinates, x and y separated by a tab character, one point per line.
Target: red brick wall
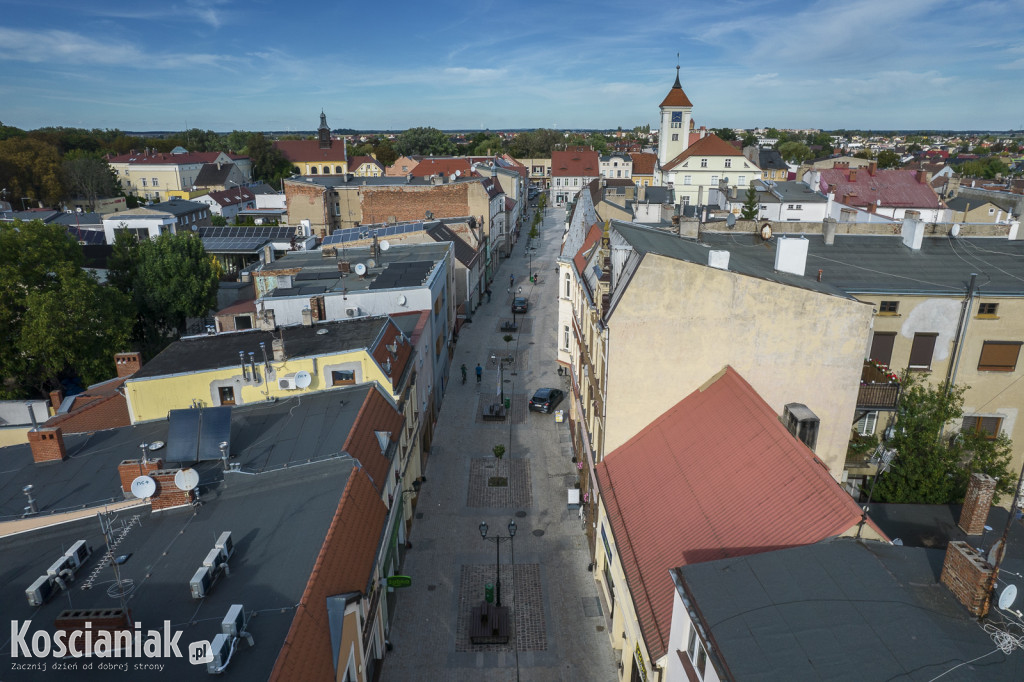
56	398
167	494
380	204
966	574
130	469
127	363
977	502
47	445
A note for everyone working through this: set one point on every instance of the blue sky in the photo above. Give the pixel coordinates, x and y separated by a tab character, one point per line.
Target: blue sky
258	65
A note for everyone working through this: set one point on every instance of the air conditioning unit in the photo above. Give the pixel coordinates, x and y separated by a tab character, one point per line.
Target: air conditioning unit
59	565
287	383
802	423
220	647
234	622
225	544
78	554
39	591
214	558
200	583
352	311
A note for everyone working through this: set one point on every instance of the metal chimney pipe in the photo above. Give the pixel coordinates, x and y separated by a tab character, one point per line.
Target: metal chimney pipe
31	501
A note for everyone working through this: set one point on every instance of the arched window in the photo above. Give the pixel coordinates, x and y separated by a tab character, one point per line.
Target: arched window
312	170
567	281
298	171
339	170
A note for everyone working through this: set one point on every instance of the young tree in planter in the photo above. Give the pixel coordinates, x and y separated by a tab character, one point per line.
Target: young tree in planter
933	466
499	451
751	206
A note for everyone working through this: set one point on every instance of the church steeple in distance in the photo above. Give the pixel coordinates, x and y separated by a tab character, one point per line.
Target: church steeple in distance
674	134
324	132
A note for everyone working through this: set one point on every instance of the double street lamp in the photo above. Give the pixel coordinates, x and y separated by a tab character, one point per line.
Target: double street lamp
497	539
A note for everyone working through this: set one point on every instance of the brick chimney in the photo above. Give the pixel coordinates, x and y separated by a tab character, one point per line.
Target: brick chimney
922	176
872	167
977	502
56	398
853	174
127	363
47	445
167	494
130	469
967	574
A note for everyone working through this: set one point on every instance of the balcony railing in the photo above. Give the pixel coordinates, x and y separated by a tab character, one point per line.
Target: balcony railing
879	390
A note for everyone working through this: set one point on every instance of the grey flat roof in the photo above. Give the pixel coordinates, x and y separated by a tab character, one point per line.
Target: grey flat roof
842	610
866	264
278	523
319	273
198	353
743	261
790	190
264	436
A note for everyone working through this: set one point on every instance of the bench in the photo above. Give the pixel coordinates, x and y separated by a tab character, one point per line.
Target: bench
494	412
509	326
488	624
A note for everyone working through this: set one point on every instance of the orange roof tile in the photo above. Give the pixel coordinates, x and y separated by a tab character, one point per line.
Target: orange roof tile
643	162
441	167
345	564
377	413
676	97
715	476
398	360
712	145
593	237
297	151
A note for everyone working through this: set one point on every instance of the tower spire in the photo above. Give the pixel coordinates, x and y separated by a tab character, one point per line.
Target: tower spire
677	85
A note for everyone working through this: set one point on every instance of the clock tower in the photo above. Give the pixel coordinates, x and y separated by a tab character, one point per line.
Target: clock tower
674	133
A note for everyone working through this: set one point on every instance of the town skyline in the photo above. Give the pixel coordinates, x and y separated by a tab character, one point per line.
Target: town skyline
931	65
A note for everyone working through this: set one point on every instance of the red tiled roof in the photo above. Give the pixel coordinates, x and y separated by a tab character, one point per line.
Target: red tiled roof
441	167
171	159
345	565
391	334
375	414
892	187
712	145
576	163
230	197
510	203
248	306
715	476
100	407
676	97
643	162
593	237
309	150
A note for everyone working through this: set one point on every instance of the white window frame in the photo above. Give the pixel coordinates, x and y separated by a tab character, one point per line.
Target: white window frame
703	163
866	425
687	179
728	163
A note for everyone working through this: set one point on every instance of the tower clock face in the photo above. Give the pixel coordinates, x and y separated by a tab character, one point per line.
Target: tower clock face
677	117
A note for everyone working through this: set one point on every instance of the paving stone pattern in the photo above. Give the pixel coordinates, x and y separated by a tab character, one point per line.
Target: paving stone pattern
515	494
522	597
524	325
517	413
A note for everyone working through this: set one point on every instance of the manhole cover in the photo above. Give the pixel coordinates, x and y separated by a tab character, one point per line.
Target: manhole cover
600	628
431	588
419	515
538	532
520	515
532	342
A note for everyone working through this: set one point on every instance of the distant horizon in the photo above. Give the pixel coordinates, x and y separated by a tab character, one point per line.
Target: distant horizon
872	65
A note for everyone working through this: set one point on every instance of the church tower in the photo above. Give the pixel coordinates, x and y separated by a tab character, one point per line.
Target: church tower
325	131
674	133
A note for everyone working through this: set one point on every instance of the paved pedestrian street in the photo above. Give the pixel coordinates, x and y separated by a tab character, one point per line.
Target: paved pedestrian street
557	625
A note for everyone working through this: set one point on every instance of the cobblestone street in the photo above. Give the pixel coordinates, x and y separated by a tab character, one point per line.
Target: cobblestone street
556	620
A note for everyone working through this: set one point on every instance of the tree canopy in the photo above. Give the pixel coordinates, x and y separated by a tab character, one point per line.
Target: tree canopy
88	176
751	205
794	152
931	466
888	159
30	169
425	141
535	143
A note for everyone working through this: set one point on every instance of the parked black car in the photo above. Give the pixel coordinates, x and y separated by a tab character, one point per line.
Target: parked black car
546	399
520	304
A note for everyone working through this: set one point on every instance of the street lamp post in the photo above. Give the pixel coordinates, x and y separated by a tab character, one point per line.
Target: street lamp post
501	377
497	544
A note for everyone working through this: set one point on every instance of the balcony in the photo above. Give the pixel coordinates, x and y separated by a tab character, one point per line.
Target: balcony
879	387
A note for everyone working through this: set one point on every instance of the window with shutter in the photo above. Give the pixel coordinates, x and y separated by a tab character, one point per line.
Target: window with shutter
986	426
881	347
865	426
999	356
921	351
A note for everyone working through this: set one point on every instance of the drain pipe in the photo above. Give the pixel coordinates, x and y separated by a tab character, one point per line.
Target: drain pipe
961	332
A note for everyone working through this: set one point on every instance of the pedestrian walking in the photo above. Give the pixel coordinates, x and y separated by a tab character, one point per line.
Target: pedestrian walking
511	281
479	372
488	292
463	372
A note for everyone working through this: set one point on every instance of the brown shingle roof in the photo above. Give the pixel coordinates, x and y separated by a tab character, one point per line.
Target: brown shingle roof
441	167
715	476
712	145
375	414
309	150
890	187
643	162
345	565
676	97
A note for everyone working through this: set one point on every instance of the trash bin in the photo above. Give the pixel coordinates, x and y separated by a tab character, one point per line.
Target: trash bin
489	593
508	403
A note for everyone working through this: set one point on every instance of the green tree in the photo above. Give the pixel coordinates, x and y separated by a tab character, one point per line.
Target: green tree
88	176
726	134
888	159
385	151
218	221
175	279
749	139
598	142
10	131
425	141
794	152
930	467
751	205
268	163
31	169
535	143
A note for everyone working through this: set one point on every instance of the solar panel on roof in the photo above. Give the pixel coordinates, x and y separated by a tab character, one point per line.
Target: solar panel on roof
214	429
183	436
302	276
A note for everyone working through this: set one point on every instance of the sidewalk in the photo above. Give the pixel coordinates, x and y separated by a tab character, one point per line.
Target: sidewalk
556	615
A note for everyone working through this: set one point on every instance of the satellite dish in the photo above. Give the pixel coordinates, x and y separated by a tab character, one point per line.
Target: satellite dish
143	487
370	263
385	245
195	228
1007	597
156	445
401	299
956	230
730	219
360	269
186	479
303	379
458	174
